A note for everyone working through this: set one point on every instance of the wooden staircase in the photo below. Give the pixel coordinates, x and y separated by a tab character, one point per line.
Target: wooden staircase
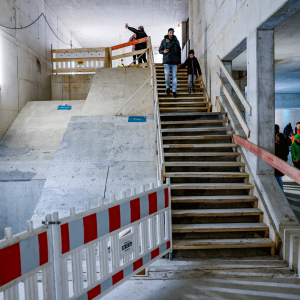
213	207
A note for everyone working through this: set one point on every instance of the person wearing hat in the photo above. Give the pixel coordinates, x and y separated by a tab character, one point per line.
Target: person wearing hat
121	64
171	51
140	33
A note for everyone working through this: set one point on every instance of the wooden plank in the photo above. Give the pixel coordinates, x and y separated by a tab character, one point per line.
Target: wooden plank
194	114
79	59
193	122
106	58
78	70
197	137
204	164
182	103
128	54
223	243
170	154
145	39
234	107
270	158
209	174
184	108
217	212
137	65
79	50
209	129
179	98
221	227
235	87
221	145
214	199
212	186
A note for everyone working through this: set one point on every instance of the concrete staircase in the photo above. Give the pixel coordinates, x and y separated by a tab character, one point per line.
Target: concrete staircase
213	206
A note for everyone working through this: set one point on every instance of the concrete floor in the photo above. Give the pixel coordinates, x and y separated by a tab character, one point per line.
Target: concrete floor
249	278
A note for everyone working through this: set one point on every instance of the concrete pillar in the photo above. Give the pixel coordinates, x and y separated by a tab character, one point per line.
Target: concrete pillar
228	65
261	95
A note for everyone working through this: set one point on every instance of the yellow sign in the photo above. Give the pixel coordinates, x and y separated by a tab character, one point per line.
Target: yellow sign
80	63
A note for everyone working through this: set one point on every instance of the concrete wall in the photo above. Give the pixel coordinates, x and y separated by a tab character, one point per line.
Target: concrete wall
25	55
71	87
287	101
286	116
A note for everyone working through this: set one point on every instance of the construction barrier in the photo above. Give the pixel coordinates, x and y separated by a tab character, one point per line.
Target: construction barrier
92	252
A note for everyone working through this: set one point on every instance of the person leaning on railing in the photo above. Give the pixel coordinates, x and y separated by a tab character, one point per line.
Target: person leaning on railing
295	151
140	33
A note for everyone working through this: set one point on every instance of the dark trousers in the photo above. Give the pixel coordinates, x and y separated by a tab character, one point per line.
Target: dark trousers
134	58
142	58
297	164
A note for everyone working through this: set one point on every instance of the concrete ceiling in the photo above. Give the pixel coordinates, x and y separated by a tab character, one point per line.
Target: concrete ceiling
287	56
96	23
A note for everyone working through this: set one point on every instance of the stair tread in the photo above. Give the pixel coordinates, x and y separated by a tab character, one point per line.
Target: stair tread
223	145
207	174
194	114
216	212
180	98
222	243
205	163
197	129
212	186
219	227
193	122
183	107
197	137
208	199
175	154
182	103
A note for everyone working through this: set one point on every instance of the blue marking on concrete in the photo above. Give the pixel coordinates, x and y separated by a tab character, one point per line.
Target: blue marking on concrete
137	119
64	107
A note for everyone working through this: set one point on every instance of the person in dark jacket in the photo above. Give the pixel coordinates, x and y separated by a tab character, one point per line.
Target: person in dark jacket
170	48
193	66
140	33
288	129
281	151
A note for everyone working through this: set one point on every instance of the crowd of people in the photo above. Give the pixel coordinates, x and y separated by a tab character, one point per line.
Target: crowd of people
171	51
285	142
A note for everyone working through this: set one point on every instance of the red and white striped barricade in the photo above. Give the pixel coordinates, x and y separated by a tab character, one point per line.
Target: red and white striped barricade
99	248
26	264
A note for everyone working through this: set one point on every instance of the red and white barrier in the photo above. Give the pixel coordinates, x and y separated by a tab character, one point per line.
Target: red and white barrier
111	242
25	259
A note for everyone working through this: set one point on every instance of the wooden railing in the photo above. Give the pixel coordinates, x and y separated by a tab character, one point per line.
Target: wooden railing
88	60
230	99
268	157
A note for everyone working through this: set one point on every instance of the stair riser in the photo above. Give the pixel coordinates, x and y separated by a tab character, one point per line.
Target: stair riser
209	192
178	206
200	158
202	169
191	180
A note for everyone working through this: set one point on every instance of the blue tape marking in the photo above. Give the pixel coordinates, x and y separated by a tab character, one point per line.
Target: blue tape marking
64	107
137	119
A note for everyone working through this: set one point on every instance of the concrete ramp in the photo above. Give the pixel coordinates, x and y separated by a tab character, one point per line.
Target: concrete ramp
111	88
98	156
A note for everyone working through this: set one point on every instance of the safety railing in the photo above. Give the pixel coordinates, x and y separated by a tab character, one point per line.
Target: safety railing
88	60
111	242
27	264
86	255
230	99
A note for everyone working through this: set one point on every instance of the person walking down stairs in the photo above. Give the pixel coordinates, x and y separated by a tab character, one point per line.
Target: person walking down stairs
193	66
170	48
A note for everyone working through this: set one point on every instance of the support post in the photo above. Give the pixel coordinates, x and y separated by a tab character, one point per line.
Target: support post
261	95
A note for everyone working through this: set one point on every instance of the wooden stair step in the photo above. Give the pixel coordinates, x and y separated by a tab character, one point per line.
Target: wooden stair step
175	154
214	199
209	174
197	137
219	227
183	103
204	164
193	122
193	114
224	145
217	212
180	98
184	108
197	129
224	243
211	186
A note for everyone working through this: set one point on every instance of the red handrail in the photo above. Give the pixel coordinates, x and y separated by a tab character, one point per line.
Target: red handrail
270	158
145	39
